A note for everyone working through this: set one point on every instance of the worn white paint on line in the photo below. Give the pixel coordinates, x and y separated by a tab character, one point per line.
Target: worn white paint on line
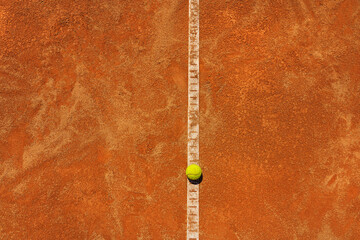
193	119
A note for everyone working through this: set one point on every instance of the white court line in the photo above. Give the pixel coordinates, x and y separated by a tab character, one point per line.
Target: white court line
193	119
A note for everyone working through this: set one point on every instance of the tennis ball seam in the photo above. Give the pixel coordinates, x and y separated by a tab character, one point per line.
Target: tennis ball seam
193	172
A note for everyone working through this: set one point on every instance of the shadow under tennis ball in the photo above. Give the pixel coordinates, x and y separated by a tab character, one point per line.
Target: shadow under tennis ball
197	181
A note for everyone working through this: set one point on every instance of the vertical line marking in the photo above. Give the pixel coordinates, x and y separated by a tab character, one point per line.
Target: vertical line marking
193	119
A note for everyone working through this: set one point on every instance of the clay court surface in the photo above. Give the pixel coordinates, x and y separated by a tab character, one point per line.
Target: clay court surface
93	119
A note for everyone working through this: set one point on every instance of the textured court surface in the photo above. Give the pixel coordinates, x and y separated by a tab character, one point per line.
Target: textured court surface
93	119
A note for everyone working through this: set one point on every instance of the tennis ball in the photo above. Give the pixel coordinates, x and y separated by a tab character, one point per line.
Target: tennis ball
193	172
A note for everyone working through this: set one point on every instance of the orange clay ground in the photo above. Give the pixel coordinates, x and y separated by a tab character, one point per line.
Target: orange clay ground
93	116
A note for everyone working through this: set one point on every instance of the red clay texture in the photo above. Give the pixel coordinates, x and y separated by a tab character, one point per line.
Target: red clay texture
280	129
93	118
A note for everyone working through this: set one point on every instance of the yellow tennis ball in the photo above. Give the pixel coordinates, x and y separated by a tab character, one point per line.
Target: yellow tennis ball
193	172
